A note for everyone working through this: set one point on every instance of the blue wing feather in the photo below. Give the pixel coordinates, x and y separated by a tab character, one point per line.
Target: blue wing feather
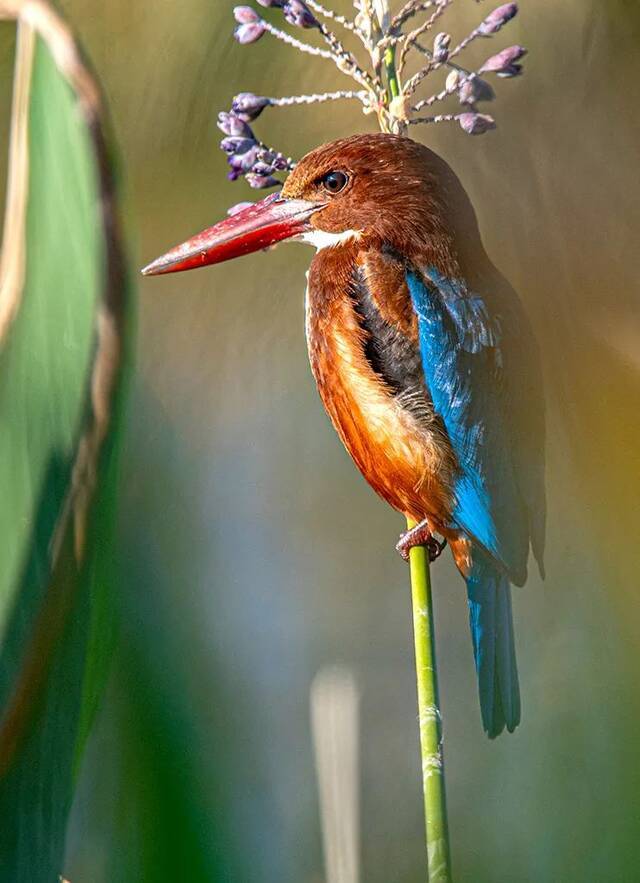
462	359
499	483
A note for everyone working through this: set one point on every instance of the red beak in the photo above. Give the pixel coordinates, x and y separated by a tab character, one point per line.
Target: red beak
258	226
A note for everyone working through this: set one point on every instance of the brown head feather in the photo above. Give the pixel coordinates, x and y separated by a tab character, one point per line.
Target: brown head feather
398	191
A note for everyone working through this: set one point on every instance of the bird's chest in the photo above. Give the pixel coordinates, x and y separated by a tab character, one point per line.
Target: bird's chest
369	375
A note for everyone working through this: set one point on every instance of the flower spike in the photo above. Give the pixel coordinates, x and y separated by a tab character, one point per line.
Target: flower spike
382	35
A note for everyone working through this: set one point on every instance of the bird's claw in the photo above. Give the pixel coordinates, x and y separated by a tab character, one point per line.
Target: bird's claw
420	536
435	548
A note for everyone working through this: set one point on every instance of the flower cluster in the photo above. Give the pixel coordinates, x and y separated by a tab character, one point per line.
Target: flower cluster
245	154
383	88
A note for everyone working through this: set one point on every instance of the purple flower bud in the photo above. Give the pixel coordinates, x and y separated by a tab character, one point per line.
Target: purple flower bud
454	78
233	175
237	145
476	123
278	160
231	124
298	13
272	3
475	89
238	166
441	48
503	63
258	182
263	169
243	162
245	15
248	106
496	19
248	33
238	207
282	164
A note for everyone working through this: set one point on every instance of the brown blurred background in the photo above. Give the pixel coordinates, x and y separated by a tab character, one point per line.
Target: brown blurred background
253	553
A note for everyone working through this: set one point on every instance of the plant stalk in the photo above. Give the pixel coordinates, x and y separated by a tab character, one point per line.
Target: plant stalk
392	74
433	784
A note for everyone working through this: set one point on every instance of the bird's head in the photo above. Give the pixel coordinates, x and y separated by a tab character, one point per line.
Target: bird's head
383	187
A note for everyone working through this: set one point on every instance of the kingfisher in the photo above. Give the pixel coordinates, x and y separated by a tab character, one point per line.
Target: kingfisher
425	362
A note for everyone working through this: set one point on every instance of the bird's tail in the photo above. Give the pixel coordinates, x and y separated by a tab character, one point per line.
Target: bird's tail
494	649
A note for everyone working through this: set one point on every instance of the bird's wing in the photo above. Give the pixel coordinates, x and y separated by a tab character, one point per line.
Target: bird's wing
463	351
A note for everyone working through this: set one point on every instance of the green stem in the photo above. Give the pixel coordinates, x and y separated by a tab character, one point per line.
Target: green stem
392	74
393	119
435	807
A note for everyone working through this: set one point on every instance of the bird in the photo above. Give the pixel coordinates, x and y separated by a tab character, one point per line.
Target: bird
425	362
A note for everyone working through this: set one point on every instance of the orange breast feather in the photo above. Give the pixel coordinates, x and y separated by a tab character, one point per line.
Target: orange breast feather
406	460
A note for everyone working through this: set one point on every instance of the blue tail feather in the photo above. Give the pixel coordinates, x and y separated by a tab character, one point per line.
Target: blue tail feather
491	621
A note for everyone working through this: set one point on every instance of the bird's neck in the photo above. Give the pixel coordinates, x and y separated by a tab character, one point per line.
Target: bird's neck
460	257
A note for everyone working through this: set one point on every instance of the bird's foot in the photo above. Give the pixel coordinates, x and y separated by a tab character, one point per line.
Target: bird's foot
420	535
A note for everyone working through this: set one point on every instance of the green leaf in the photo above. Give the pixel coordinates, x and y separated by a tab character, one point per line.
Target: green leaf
63	313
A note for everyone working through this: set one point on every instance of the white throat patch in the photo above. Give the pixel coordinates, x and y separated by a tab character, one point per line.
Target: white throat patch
323	239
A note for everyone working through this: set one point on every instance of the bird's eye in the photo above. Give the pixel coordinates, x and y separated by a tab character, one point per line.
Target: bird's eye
334	182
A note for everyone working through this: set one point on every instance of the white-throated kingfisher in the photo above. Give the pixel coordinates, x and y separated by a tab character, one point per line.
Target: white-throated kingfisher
424	361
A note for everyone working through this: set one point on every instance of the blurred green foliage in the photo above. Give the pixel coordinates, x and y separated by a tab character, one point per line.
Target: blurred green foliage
252	552
56	544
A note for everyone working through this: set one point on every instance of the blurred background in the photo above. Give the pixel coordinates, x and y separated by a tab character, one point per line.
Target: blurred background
252	553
